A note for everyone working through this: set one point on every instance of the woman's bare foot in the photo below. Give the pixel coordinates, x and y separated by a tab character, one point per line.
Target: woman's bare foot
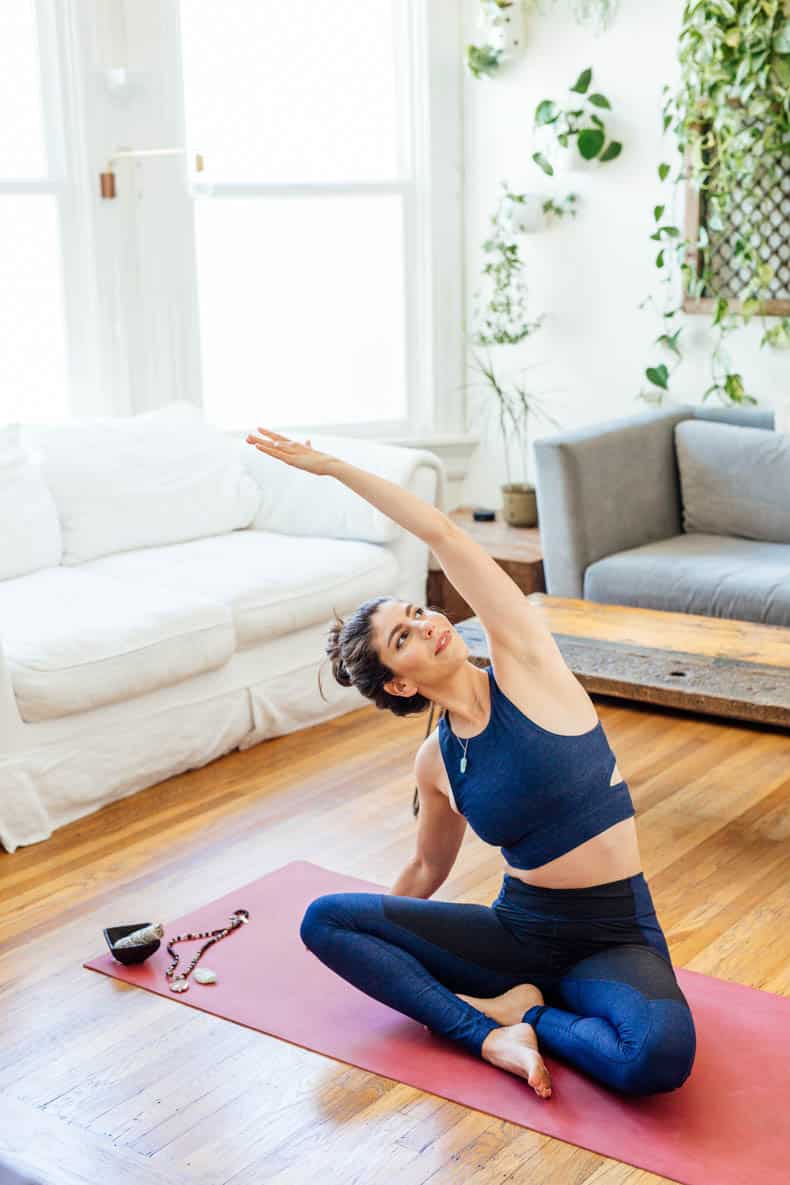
515	1048
508	1008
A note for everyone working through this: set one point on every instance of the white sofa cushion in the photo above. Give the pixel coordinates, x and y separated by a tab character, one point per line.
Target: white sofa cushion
30	536
734	480
76	639
272	584
123	482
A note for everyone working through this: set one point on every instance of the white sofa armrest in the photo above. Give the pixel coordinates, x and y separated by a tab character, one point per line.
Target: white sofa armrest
294	502
10	720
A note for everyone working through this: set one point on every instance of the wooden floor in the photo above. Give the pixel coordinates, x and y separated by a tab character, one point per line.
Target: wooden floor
103	1083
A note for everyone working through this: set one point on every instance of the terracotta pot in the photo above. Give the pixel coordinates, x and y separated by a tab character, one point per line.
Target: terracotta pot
519	504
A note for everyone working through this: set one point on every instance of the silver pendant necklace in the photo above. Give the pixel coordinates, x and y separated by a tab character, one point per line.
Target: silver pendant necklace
463	764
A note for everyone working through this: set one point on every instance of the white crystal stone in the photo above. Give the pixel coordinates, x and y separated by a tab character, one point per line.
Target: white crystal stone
204	975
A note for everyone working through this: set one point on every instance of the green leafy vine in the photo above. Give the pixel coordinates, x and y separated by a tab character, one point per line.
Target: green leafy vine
730	118
503	320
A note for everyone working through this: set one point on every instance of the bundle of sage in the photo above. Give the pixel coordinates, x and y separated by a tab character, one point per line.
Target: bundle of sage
143	936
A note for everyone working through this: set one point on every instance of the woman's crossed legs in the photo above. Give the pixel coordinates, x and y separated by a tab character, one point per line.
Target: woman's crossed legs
624	1019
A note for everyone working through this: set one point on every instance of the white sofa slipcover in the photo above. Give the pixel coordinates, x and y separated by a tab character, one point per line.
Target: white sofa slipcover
119	671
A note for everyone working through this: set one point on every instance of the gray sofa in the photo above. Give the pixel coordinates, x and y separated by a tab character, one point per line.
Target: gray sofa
615	527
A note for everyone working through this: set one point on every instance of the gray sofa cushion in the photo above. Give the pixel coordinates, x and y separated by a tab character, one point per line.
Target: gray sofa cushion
715	575
734	480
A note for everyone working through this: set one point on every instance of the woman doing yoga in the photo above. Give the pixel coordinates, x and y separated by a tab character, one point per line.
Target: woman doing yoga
570	956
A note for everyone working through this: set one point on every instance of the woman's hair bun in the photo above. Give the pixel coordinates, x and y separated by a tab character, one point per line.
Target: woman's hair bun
341	673
352	649
334	650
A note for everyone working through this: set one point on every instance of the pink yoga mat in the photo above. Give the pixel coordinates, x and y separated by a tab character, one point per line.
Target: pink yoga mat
726	1125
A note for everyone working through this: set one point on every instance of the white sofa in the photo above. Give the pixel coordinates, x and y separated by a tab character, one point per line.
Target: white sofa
165	595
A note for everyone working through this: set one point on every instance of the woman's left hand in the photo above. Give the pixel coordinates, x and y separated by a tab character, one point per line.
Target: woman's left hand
300	456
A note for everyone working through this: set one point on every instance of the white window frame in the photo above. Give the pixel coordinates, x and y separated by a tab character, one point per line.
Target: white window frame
430	189
64	148
128	351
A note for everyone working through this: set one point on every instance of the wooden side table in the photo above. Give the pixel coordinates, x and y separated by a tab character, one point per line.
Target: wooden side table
516	549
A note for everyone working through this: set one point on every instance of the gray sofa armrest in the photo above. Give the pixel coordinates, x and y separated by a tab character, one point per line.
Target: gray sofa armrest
605	488
746	417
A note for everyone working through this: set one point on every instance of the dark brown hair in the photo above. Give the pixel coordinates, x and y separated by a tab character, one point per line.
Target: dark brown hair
356	663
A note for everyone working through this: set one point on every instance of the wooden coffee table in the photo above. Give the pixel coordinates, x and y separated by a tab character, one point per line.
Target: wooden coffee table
714	665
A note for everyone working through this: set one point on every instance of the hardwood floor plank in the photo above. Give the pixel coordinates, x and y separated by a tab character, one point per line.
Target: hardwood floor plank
65	1154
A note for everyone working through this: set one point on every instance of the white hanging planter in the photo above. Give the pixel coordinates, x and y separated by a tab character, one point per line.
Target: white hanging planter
527	216
562	160
502	26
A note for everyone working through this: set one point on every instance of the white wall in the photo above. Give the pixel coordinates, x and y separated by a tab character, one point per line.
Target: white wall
589	274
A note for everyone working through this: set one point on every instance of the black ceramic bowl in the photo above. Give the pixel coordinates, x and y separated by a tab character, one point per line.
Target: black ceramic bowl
129	954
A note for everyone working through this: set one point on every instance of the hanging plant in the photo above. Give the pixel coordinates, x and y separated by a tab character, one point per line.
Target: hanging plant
503	36
482	59
582	122
595	14
504	319
730	118
778	335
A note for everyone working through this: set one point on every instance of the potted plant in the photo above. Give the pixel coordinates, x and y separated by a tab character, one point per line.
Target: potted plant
512	406
556	126
530	212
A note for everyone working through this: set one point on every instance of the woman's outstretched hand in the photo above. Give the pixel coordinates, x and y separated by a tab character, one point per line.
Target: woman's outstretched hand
301	456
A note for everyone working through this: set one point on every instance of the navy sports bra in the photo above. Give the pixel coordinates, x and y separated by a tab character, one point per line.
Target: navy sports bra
535	793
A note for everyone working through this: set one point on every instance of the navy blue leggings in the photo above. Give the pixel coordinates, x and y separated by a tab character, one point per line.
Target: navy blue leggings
613	1007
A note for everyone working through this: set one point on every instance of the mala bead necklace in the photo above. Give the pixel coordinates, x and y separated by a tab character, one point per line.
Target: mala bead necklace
180	983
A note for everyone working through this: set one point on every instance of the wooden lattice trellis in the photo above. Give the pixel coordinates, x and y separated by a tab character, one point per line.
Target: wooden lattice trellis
763	215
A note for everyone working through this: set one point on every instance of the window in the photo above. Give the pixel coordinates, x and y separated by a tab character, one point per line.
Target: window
312	271
34	382
305	212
